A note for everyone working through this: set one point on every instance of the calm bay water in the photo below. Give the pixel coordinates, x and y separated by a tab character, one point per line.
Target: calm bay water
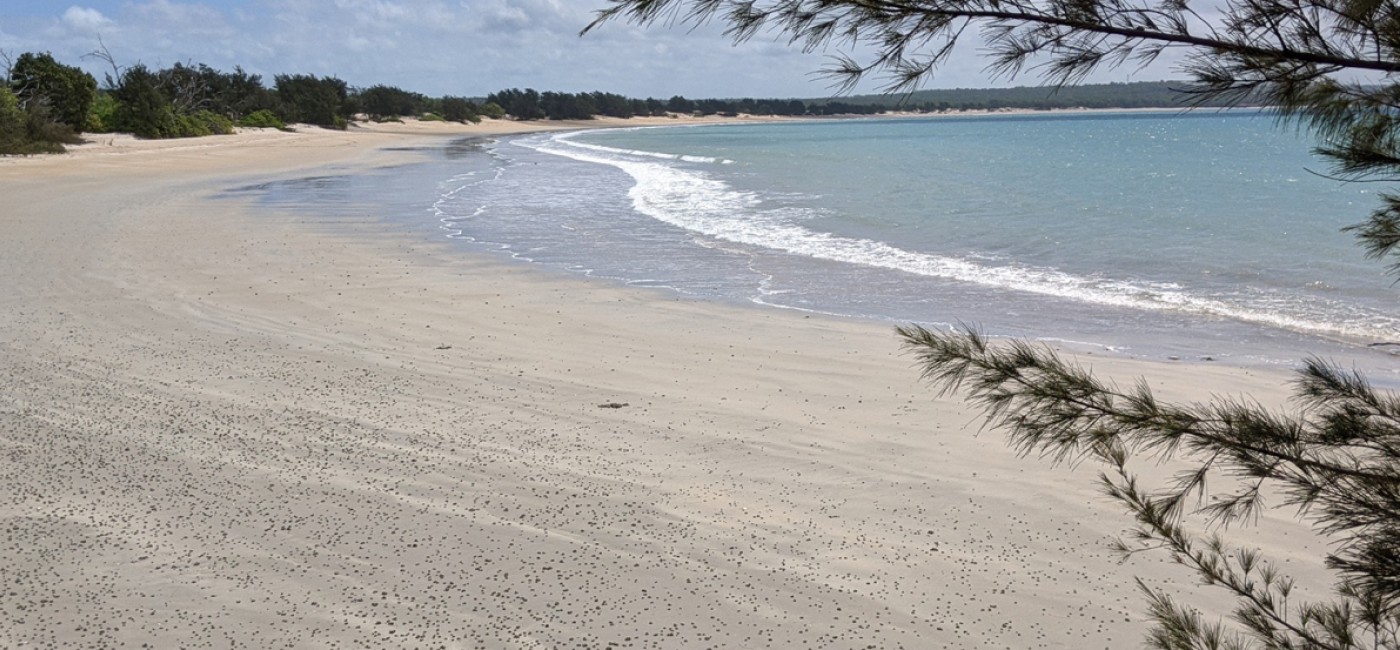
1157	235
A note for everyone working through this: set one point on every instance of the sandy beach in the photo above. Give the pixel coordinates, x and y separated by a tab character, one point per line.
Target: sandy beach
226	427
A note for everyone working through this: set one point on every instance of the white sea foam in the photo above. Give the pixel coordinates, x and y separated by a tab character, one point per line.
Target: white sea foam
449	214
567	138
690	199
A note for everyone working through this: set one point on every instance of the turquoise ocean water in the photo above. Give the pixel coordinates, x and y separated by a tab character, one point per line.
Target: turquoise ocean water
1200	235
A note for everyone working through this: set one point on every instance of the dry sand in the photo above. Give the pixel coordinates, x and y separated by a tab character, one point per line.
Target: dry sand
230	429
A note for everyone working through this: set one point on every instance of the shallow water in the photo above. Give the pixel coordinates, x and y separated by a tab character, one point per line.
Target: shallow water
1156	235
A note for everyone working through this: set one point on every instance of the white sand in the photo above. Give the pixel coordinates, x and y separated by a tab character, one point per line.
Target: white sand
221	428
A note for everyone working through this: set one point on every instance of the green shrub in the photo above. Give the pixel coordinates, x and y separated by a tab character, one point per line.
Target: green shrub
102	115
187	126
14	134
31	130
214	123
493	111
200	124
431	117
46	131
142	108
67	91
263	119
313	100
459	109
380	102
29	148
153	122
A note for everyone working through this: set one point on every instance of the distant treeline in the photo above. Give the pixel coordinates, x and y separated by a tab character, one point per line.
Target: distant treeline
1142	94
530	104
45	104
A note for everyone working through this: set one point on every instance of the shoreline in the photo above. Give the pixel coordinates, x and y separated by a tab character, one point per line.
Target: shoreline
121	143
1238	354
227	426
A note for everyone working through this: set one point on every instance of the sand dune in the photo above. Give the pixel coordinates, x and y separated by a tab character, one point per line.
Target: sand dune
227	428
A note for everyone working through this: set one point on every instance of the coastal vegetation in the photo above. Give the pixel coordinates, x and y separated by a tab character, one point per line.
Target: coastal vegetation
1327	65
43	104
65	91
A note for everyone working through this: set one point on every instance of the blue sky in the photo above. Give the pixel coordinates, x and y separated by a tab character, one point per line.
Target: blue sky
466	47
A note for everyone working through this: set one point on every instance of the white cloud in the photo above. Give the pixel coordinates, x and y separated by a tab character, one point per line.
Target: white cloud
83	19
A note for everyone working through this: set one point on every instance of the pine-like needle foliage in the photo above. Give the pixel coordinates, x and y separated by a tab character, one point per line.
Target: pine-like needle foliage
1329	66
1337	461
